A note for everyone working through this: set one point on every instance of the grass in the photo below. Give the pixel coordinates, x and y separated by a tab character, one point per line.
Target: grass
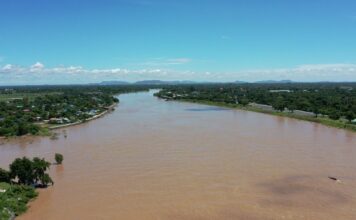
322	120
44	131
14	200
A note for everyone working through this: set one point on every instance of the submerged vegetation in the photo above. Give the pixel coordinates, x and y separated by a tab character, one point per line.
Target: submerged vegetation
34	109
332	104
59	158
17	186
25	171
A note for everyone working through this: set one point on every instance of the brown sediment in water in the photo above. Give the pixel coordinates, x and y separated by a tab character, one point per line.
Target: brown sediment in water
153	159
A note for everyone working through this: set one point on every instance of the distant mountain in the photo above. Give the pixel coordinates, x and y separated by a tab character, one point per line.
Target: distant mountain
274	81
150	82
161	82
239	82
178	82
108	83
145	82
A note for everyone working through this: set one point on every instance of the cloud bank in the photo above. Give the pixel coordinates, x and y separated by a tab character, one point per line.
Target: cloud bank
38	73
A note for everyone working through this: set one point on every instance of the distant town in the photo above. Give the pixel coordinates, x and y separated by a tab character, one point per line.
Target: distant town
36	110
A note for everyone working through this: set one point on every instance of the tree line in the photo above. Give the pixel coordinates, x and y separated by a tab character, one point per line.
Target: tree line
30	172
24	109
334	100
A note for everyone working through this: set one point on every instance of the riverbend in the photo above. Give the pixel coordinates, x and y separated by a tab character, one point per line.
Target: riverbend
152	159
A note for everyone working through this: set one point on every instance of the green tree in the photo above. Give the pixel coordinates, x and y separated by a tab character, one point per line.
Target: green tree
46	180
244	101
316	110
29	172
350	115
334	115
4	176
279	104
291	106
22	168
59	158
40	167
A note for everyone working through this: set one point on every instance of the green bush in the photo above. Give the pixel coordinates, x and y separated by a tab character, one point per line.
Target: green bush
59	158
4	176
15	199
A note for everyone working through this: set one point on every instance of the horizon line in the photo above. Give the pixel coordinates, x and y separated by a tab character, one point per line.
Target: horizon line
175	82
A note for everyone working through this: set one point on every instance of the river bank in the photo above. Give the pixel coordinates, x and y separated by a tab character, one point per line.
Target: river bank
160	160
14	199
108	109
46	130
321	119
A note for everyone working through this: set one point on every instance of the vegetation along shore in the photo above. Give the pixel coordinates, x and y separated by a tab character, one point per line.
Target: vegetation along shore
331	104
18	184
36	110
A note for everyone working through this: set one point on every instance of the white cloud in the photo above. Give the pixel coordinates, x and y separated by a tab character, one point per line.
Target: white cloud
7	67
37	65
310	72
39	74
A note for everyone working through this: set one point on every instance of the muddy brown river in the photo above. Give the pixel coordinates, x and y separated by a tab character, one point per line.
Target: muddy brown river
153	159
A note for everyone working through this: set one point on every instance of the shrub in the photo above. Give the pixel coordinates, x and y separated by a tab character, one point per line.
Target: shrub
4	176
59	158
15	199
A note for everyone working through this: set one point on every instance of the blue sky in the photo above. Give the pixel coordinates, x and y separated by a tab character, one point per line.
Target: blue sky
79	41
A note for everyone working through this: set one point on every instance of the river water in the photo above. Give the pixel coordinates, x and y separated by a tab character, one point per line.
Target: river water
153	159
